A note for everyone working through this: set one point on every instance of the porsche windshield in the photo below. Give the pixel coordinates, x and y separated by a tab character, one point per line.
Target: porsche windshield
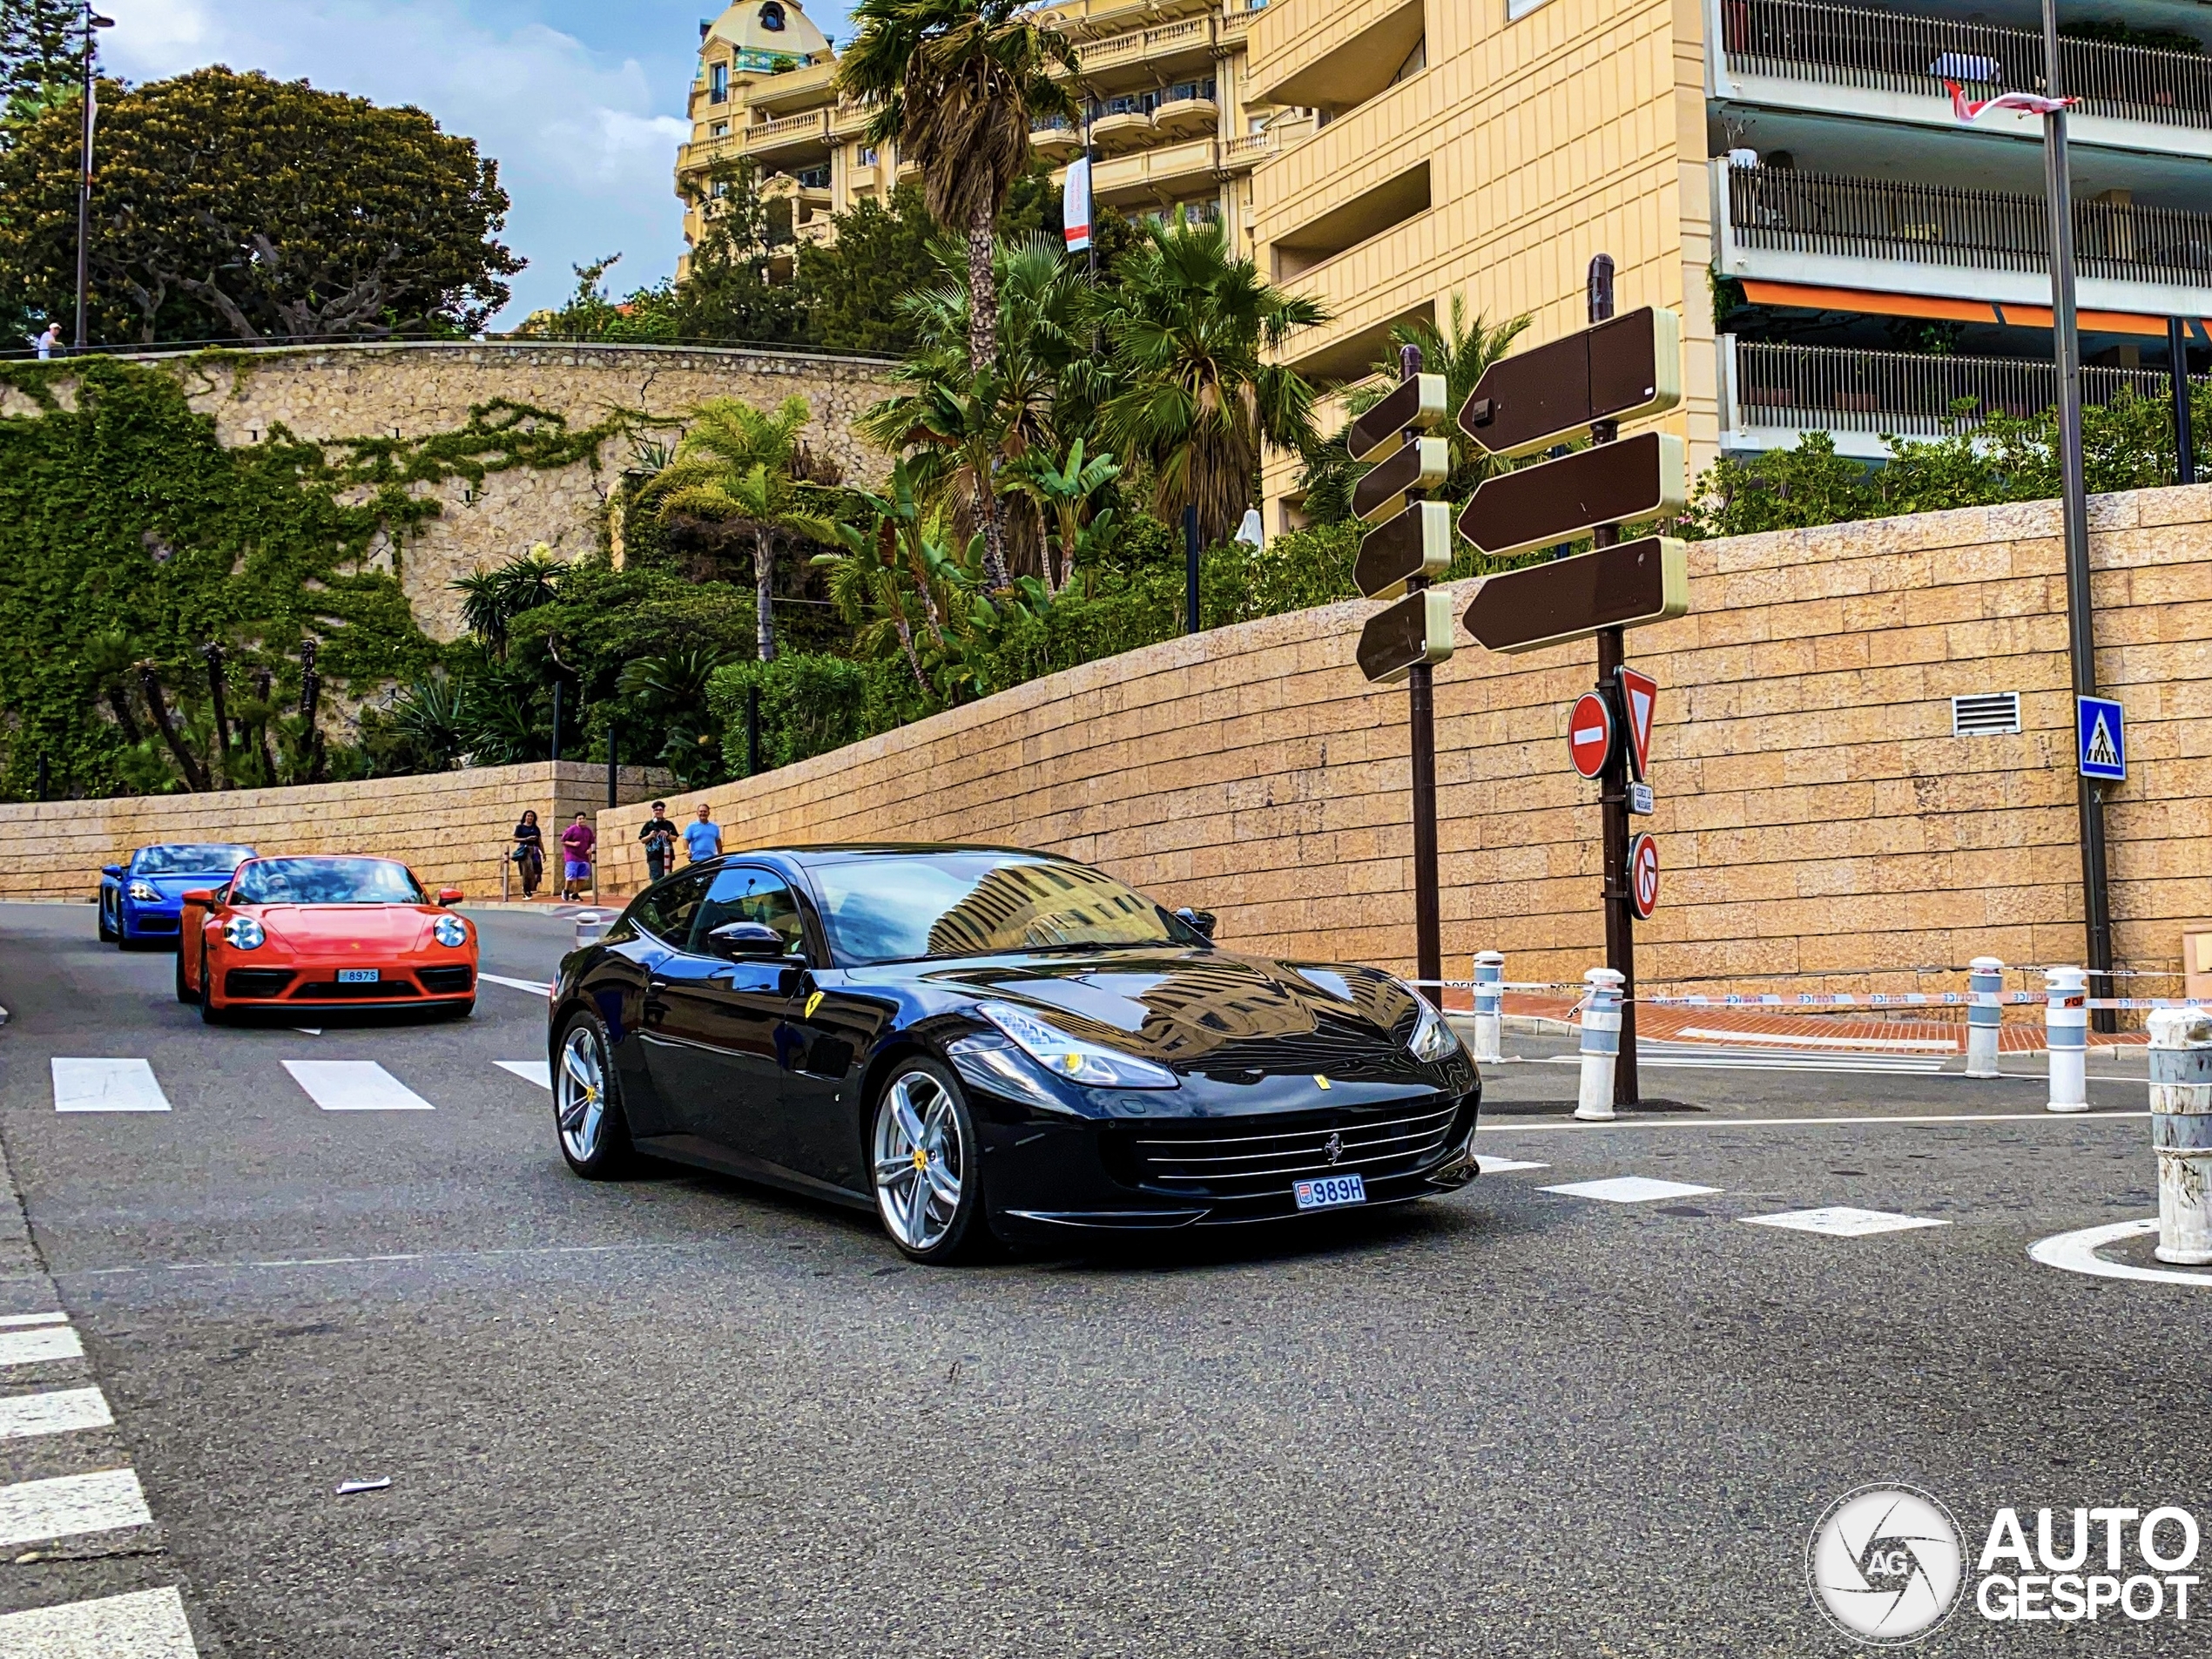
185	858
326	881
901	908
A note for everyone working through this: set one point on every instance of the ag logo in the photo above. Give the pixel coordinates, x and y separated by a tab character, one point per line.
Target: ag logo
1886	1564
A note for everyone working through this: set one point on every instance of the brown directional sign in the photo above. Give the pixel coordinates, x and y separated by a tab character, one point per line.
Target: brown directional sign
1416	542
1417	629
1607	484
1420	465
1608	586
1419	402
1620	370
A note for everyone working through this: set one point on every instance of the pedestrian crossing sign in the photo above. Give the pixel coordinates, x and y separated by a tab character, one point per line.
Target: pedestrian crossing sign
2102	739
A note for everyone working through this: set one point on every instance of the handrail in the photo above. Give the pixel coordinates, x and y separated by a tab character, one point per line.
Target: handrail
1897	52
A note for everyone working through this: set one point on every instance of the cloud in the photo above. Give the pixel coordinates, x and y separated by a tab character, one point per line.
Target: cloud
585	141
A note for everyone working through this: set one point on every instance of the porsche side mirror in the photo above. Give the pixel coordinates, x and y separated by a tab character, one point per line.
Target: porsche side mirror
115	870
450	895
204	897
744	941
1201	920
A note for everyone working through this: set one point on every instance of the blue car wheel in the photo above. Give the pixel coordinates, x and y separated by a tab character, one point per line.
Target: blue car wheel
107	934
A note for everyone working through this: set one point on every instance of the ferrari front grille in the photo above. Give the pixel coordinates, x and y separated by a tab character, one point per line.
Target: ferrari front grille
1254	1157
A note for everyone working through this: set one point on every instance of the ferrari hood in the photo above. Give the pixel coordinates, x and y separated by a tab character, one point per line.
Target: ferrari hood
372	926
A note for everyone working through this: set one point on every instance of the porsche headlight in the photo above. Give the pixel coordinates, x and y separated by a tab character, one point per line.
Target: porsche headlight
244	933
1433	1038
450	930
145	893
1072	1058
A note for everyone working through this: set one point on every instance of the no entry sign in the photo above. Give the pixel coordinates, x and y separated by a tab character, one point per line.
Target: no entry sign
1589	733
1643	876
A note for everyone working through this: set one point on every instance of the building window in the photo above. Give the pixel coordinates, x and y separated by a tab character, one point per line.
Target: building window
717	84
771	17
813	178
867	155
1516	10
721	129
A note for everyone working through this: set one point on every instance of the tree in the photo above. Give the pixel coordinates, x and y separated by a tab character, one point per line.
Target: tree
742	467
1190	327
41	62
1065	492
235	206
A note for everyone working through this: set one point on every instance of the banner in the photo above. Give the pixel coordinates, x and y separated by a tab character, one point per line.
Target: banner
1075	204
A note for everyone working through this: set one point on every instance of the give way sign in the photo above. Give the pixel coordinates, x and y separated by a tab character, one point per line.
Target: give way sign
1639	692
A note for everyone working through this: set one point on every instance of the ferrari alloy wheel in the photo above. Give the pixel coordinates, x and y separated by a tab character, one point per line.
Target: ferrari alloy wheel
595	1139
926	1187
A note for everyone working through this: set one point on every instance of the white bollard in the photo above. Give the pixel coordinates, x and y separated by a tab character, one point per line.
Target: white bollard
1986	977
2181	1130
2066	1034
590	927
1489	1006
1600	1044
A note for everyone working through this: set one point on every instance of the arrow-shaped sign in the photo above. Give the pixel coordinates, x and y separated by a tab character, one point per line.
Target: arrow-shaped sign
1417	629
1421	464
1621	370
1417	402
1607	484
1416	542
1608	586
1639	693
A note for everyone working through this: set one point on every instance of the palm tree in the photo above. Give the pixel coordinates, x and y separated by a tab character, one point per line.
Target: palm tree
673	690
1193	326
491	599
958	84
1063	492
955	433
740	466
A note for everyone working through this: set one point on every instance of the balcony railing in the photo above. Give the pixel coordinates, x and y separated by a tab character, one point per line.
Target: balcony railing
1880	218
813	124
1891	51
1904	393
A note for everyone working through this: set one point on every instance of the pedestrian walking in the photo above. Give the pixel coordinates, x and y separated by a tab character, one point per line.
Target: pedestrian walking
530	853
704	838
659	836
46	344
576	843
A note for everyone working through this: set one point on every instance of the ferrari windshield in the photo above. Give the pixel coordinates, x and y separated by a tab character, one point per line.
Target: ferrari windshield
214	858
903	907
326	881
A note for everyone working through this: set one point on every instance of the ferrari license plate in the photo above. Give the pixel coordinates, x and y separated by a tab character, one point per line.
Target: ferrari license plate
1327	1191
357	976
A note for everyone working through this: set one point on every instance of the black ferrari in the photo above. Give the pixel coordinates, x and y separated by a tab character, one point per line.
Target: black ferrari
978	1042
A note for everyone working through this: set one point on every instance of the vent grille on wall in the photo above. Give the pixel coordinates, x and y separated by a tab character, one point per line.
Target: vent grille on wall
1987	716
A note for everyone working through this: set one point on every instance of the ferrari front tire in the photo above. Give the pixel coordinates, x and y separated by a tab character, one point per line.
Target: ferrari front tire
924	1156
588	1118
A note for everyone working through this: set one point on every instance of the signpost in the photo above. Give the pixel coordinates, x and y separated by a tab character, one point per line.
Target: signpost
1643	876
1624	586
1421	464
1622	370
1417	402
1589	733
2100	734
1639	695
1607	484
1416	542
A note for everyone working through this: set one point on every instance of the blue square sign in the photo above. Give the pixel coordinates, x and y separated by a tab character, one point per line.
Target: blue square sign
2102	738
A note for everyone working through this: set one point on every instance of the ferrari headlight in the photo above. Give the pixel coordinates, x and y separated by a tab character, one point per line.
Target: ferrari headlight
244	933
1433	1038
450	930
145	893
1070	1057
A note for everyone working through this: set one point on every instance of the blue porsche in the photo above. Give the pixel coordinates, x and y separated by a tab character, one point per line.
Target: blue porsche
139	900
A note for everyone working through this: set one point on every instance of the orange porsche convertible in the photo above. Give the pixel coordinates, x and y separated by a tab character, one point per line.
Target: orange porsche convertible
287	934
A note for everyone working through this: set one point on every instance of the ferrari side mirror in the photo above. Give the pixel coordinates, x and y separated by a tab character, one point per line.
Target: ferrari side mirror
744	942
450	895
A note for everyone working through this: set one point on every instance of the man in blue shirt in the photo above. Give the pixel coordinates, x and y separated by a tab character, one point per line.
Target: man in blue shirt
704	838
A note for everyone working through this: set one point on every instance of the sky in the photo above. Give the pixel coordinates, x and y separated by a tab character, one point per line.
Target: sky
582	103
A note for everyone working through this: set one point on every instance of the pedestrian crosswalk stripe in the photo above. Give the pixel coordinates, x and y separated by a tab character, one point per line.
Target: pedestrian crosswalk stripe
530	1071
1630	1189
67	1505
59	1412
355	1086
538	986
11	1319
107	1086
145	1624
36	1347
1506	1166
1841	1221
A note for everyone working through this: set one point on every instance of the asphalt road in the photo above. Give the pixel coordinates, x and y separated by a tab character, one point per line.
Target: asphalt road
683	1416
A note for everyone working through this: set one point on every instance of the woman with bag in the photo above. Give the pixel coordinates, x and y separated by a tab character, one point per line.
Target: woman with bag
530	853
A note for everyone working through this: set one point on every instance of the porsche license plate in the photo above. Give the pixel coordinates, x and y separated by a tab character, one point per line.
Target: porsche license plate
1327	1192
357	976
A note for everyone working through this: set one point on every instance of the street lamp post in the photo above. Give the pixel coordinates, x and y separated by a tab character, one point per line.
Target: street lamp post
89	109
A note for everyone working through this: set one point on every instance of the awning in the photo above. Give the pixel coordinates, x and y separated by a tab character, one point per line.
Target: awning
1913	305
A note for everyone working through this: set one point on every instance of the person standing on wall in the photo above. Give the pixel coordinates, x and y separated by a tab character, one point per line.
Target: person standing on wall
576	843
530	853
704	838
659	836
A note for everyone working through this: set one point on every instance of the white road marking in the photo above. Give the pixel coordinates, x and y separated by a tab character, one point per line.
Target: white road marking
2076	1252
107	1086
60	1413
1690	1122
1506	1166
1722	1060
308	1030
539	986
1946	1044
530	1071
355	1086
1841	1221
33	1318
70	1504
1630	1189
36	1347
145	1624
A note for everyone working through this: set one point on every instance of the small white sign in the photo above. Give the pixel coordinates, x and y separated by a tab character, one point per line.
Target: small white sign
1640	798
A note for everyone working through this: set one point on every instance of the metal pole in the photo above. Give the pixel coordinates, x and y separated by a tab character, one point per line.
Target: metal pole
45	780
752	730
556	726
2073	511
1190	569
1421	709
84	182
2177	369
613	774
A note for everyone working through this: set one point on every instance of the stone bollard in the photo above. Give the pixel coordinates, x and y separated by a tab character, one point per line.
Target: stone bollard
1986	977
1600	1044
2066	1035
2181	1130
1489	1006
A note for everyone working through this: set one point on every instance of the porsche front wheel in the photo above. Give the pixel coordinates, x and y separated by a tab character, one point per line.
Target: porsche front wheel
185	993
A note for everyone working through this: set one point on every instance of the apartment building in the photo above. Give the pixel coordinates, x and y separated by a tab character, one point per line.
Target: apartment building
1162	85
1790	175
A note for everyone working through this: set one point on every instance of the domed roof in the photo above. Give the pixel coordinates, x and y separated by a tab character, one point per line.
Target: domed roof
767	26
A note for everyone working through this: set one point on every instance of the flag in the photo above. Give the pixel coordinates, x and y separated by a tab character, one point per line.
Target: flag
1075	204
2027	102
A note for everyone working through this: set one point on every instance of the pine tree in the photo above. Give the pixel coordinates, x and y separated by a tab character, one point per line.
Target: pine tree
40	41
